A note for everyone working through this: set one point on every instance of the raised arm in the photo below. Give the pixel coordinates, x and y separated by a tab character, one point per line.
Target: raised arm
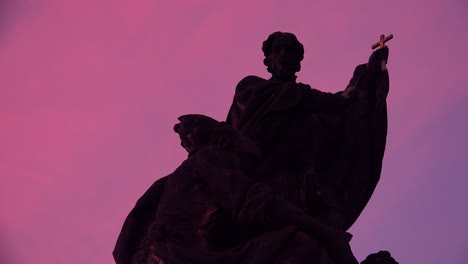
370	81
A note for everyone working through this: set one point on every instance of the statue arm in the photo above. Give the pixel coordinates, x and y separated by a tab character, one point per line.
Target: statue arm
371	81
367	81
324	102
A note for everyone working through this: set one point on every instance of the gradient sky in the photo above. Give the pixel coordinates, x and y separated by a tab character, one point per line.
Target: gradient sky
90	91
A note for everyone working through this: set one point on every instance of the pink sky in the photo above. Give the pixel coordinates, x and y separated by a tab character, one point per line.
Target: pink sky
91	90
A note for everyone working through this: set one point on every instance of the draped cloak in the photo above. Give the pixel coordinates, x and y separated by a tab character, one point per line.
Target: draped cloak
321	152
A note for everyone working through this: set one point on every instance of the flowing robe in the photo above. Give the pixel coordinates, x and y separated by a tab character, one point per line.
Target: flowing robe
321	151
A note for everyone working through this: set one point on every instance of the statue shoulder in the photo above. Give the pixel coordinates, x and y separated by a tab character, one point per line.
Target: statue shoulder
248	82
308	90
304	86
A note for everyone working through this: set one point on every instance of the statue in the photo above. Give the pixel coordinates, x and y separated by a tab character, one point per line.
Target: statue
316	144
280	181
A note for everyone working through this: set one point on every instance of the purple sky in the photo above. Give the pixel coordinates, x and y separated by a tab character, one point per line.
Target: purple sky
91	90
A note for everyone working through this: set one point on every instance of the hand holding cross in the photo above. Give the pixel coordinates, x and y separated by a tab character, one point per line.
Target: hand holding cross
381	55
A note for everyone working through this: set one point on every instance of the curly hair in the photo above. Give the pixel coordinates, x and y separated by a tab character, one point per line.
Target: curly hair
268	46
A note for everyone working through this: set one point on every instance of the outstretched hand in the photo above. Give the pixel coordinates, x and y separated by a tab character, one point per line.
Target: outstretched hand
377	56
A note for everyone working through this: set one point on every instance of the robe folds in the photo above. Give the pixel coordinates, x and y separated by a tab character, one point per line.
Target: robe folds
319	152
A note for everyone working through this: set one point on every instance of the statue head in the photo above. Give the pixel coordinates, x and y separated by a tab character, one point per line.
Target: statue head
283	55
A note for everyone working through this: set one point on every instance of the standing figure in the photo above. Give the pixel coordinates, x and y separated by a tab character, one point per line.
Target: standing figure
321	151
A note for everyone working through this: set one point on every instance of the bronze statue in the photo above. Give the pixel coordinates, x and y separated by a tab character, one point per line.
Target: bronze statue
280	181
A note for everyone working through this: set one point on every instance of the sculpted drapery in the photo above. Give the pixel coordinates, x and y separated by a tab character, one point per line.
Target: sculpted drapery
311	163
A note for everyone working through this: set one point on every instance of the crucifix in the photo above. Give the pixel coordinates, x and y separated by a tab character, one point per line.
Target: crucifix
382	41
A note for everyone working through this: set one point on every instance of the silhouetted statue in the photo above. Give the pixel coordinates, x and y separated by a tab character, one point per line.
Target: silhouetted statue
280	181
317	146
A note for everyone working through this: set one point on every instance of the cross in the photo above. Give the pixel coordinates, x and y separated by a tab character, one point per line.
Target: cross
382	41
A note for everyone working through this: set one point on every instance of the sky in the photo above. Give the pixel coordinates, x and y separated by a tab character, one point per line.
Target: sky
91	89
